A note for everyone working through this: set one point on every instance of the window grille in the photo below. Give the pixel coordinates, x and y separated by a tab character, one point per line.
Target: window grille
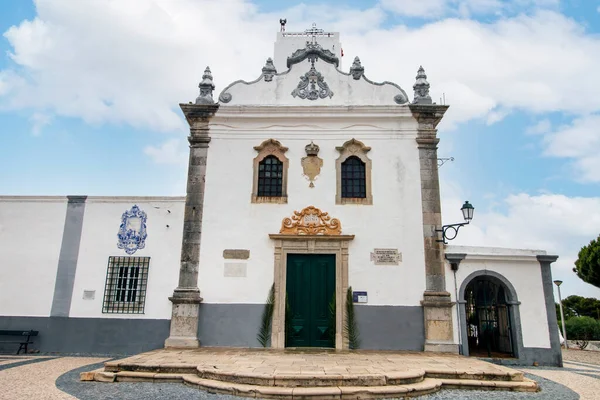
270	177
353	178
125	288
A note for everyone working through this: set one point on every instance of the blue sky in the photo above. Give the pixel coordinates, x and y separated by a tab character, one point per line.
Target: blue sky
89	93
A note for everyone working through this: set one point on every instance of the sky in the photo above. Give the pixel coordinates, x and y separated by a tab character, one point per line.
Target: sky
89	94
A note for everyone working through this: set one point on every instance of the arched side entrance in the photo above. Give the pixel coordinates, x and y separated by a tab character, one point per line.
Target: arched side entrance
490	320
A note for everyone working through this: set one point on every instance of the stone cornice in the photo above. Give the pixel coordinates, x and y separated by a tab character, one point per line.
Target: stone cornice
501	257
195	113
428	115
546	258
337	238
260	111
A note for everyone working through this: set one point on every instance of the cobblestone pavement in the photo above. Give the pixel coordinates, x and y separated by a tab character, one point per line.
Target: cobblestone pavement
47	377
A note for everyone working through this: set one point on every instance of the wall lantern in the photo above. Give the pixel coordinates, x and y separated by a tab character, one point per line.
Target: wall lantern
467	211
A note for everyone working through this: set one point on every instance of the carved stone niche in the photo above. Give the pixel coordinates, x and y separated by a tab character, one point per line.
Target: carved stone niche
270	147
351	148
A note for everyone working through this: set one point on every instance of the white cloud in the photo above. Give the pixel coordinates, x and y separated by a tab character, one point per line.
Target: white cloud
417	8
38	121
579	141
543	126
559	224
464	8
172	151
133	62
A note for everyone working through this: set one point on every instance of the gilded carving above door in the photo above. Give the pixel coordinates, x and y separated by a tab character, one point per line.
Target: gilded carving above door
311	221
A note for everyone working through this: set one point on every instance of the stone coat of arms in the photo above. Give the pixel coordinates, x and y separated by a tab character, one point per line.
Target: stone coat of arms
132	232
311	164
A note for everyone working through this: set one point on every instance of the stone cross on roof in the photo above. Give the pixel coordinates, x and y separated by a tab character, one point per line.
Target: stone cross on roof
314	31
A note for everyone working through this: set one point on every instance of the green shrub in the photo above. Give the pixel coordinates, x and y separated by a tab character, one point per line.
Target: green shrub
582	330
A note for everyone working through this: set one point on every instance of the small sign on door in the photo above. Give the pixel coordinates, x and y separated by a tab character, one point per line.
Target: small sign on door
359	297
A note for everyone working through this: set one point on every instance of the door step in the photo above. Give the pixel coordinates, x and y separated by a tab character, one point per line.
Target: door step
293	387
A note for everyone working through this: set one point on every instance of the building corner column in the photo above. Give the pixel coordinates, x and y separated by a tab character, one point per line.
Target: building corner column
553	329
186	297
437	303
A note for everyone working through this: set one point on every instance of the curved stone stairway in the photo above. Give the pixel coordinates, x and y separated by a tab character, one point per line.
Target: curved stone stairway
302	374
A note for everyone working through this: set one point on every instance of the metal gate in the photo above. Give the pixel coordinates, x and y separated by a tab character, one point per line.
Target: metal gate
488	319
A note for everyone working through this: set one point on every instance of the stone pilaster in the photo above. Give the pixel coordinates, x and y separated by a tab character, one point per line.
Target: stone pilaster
186	297
545	262
437	306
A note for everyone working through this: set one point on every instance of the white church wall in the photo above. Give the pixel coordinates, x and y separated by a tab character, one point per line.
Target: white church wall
523	271
31	230
99	242
231	221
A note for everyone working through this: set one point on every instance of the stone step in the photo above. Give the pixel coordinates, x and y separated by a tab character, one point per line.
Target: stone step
426	386
314	380
322	393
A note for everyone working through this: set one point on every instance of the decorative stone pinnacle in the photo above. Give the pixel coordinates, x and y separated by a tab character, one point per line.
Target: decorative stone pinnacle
357	70
312	149
421	88
206	88
269	70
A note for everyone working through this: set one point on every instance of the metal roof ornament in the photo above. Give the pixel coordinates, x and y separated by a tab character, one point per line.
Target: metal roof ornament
421	88
206	88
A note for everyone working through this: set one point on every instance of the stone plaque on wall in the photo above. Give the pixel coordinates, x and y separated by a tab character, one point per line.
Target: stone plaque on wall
236	254
386	256
235	270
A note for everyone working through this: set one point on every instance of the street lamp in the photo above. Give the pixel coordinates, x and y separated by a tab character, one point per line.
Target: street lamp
467	211
562	315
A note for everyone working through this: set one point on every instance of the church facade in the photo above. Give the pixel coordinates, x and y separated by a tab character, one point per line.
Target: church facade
312	193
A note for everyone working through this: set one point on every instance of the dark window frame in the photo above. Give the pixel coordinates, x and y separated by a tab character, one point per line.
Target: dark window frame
126	285
354	178
270	177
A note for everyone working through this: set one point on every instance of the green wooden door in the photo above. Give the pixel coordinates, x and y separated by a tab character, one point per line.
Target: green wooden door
310	289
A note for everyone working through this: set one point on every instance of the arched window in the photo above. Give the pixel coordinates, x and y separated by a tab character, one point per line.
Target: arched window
270	177
353	174
270	173
353	178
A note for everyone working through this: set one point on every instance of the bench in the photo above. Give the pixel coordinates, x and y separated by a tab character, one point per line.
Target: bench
23	342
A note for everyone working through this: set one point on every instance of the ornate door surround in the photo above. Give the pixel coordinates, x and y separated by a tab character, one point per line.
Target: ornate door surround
310	231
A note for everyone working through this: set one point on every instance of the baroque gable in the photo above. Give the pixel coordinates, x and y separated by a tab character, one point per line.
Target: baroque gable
313	78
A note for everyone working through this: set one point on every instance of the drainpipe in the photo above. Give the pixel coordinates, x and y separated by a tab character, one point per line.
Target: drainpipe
455	260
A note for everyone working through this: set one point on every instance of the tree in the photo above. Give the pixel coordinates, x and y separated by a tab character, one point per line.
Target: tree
587	266
577	306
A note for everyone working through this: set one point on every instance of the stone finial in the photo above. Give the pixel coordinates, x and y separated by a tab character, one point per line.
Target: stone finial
357	70
206	88
421	88
311	149
269	70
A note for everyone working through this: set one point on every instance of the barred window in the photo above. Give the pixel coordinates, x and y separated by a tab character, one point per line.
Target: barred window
353	178
125	288
270	177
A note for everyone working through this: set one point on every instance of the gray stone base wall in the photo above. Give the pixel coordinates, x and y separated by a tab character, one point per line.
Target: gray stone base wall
390	327
234	325
530	355
87	335
227	325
